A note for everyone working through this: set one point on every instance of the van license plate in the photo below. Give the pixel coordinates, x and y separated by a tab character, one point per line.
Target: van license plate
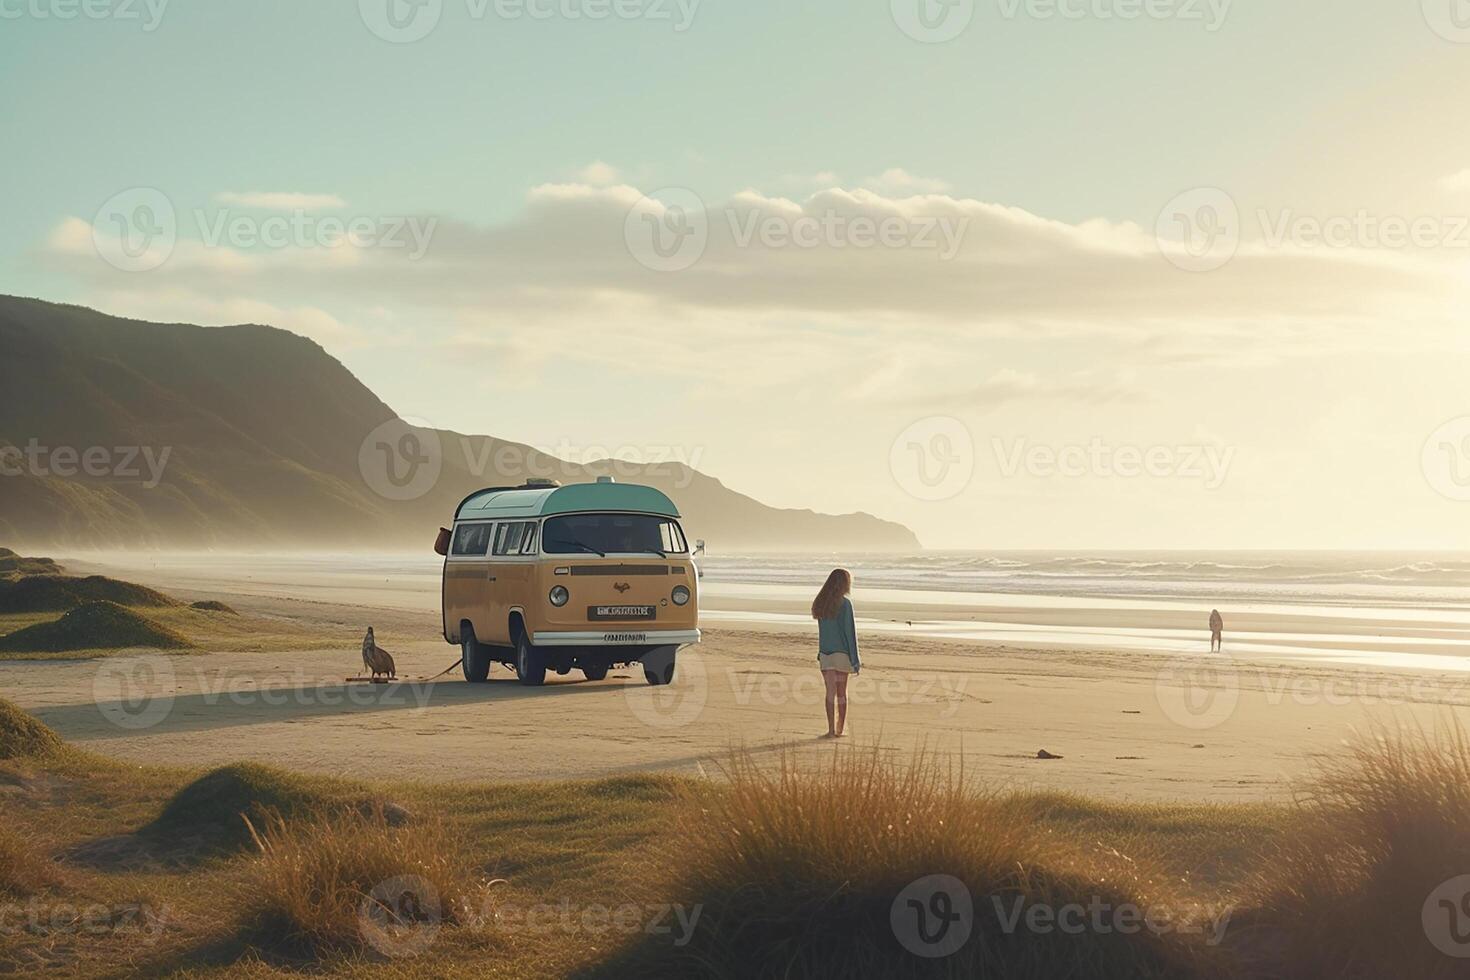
625	638
621	612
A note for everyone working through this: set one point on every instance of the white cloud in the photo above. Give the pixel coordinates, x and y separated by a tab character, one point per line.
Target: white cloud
897	180
280	200
598	174
563	265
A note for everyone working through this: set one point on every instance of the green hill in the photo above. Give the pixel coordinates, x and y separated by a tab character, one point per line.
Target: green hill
262	430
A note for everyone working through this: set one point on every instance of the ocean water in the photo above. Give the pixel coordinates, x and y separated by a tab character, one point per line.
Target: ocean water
1371	610
1306	577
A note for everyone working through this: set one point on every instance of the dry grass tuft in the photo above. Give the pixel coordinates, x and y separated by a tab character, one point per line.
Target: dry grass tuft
22	736
799	873
1356	891
347	882
24	867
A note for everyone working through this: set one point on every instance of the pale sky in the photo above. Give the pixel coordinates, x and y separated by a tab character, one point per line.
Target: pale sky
942	281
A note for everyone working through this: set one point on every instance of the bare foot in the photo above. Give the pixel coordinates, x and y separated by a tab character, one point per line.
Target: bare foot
840	735
830	735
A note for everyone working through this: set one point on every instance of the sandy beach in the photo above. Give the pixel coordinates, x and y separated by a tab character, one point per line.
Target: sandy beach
1127	726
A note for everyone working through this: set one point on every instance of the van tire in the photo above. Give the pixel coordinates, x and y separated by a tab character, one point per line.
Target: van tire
474	656
530	663
595	672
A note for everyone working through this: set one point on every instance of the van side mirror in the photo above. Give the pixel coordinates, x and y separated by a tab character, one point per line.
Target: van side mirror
441	543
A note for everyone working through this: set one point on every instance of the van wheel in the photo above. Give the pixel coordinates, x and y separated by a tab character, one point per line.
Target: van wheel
474	657
595	672
657	679
530	664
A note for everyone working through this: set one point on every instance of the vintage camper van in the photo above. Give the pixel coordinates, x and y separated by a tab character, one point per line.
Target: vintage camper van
587	576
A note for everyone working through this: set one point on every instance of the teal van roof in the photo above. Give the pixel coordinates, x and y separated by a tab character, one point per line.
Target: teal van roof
542	501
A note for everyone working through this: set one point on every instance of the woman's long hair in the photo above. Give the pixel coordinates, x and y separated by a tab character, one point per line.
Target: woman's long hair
829	600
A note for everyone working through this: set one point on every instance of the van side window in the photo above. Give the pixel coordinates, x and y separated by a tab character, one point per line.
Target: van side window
510	536
528	546
471	540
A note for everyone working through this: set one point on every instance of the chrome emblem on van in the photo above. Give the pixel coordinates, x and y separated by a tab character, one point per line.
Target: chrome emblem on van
621	587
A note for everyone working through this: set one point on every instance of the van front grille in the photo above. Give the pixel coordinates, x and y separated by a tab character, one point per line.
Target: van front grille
620	570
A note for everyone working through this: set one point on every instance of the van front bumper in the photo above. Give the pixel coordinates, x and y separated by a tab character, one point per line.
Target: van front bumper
616	638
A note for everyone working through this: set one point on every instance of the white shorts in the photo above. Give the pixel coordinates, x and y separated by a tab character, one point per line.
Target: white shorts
835	661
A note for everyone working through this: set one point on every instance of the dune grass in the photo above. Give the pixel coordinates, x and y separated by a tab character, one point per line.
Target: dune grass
777	871
25	867
812	873
348	881
1360	890
23	737
13	565
214	810
91	626
58	593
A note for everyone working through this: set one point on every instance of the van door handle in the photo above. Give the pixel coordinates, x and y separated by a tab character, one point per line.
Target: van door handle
489	578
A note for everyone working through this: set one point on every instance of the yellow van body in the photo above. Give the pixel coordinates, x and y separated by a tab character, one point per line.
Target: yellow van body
588	576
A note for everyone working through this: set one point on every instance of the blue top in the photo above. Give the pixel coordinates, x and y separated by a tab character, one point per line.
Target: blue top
839	634
577	497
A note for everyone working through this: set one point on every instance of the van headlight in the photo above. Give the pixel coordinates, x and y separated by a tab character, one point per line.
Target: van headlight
681	595
559	595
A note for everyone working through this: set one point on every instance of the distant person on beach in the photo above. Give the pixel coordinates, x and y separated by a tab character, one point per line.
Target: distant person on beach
1217	627
837	648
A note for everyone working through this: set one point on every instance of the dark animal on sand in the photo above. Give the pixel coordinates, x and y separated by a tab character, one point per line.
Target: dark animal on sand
375	659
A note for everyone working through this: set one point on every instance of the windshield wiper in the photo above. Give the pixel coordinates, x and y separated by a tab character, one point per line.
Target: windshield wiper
655	551
579	544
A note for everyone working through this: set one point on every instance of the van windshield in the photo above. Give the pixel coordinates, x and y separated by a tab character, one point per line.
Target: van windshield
604	534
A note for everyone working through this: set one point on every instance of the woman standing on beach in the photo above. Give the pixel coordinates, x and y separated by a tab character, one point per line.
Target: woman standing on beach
837	654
